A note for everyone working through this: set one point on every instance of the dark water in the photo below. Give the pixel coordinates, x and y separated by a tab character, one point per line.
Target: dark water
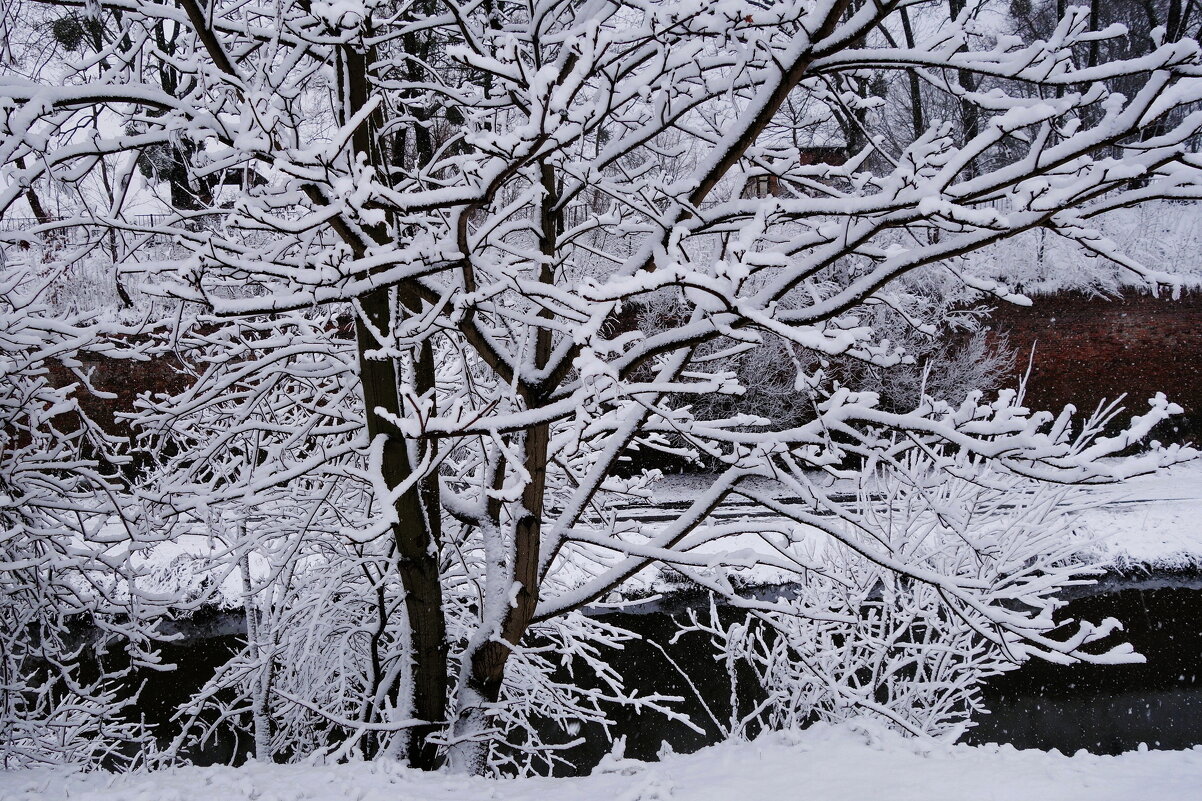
1108	709
1103	709
209	639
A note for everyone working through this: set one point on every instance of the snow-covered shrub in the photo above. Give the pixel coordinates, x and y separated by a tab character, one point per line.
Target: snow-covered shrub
68	590
413	229
855	637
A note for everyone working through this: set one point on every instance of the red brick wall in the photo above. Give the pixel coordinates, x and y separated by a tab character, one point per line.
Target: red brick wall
1086	349
1090	348
124	378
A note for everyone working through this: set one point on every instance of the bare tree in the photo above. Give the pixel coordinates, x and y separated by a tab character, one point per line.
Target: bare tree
410	342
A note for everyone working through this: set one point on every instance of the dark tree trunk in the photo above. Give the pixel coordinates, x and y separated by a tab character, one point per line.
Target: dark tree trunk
969	114
488	663
417	531
915	85
415	535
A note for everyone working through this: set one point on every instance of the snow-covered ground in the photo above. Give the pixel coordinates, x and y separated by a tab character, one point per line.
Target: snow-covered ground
824	763
1153	520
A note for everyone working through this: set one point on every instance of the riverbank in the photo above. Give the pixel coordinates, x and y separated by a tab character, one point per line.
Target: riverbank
1147	525
1150	523
832	763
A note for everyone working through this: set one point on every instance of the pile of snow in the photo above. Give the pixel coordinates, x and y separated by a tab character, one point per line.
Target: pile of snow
825	763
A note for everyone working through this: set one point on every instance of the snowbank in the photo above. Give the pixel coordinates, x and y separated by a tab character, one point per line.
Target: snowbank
825	763
1153	521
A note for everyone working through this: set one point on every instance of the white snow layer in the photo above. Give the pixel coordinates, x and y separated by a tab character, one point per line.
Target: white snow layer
826	763
1153	520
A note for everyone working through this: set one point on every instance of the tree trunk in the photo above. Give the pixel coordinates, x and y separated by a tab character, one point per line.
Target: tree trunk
915	86
969	114
260	720
487	663
414	533
417	531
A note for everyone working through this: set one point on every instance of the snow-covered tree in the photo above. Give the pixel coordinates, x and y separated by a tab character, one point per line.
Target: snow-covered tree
410	233
68	581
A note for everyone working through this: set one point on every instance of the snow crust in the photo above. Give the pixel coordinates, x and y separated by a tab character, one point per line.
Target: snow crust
850	762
